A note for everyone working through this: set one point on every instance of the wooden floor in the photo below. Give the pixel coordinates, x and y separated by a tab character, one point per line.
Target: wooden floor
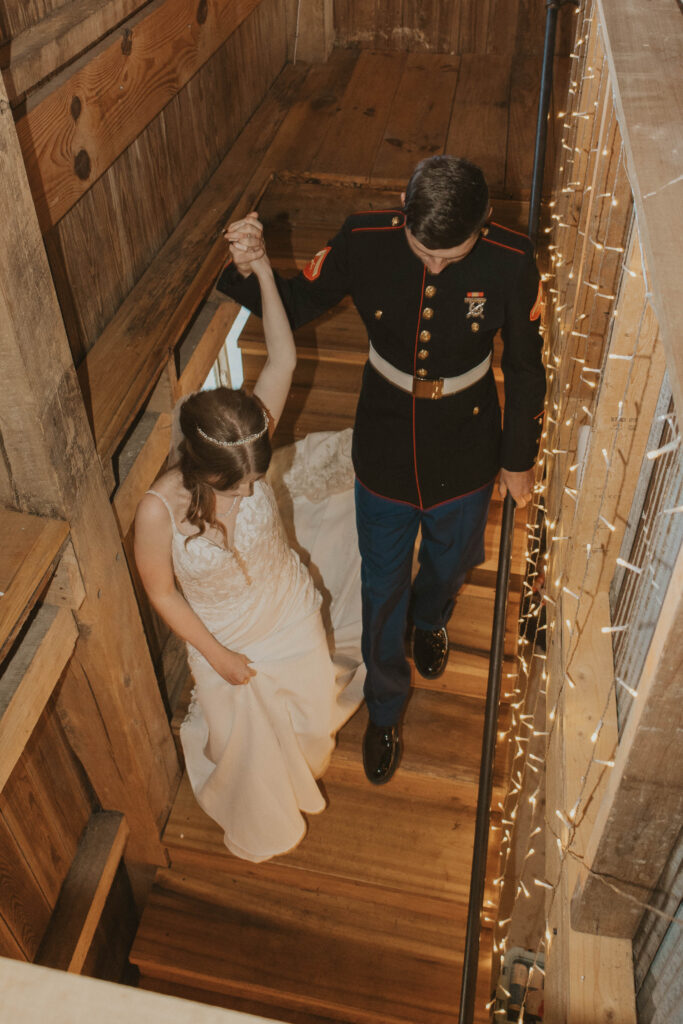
364	922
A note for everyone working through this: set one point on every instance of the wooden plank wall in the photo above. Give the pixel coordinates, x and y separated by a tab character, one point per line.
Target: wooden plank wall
17	17
44	808
117	148
448	26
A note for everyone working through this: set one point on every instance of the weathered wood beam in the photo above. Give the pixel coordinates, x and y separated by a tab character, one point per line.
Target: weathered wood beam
142	473
42	50
125	362
66	589
84	892
29	678
83	119
589	978
54	470
630	386
644	50
30	547
313	31
624	858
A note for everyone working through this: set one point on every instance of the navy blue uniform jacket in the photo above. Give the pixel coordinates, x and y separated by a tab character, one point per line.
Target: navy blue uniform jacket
420	450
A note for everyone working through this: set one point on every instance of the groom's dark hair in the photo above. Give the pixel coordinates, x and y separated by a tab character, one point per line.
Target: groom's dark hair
447	201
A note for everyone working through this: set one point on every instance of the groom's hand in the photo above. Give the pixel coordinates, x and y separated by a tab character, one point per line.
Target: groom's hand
520	485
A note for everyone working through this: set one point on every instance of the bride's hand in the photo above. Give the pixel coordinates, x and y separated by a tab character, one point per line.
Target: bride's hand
233	667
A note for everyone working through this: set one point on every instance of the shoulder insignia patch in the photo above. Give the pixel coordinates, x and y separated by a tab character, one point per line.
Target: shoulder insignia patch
536	308
314	266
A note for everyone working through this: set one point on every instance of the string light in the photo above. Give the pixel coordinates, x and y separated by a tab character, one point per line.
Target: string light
573	319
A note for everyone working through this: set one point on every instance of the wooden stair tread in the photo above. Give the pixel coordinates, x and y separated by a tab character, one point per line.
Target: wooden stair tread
332	913
368	837
441	736
466	675
293	964
471	623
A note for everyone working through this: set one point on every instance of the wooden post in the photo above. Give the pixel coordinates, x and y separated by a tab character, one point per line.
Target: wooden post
311	30
51	468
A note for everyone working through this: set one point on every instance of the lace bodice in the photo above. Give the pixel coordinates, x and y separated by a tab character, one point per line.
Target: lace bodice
241	592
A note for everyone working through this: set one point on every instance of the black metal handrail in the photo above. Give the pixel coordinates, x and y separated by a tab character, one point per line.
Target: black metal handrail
481	830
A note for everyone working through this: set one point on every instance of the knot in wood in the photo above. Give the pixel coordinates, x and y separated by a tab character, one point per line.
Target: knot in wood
127	42
202	11
76	107
82	165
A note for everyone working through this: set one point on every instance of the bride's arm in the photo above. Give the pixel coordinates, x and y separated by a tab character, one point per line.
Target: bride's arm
274	381
153	537
272	386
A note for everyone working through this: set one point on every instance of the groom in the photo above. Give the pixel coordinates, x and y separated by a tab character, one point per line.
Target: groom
433	281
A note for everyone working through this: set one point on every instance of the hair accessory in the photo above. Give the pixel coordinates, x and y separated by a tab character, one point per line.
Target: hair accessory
240	440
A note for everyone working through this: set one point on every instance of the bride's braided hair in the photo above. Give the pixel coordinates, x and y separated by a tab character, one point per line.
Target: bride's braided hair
213	453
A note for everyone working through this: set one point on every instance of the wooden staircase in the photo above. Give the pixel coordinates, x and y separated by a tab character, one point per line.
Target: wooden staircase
365	921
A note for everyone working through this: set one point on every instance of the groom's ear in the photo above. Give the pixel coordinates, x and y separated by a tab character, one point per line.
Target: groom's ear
403	199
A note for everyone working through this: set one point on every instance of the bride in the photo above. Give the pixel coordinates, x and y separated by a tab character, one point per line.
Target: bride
272	684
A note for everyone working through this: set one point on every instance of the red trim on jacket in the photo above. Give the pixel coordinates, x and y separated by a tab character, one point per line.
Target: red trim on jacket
386	227
511	230
440	504
417	342
501	246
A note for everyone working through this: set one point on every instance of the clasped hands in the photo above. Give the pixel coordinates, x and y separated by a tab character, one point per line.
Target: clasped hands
245	239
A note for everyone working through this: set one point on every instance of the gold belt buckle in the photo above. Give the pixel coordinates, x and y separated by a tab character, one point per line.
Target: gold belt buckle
427	388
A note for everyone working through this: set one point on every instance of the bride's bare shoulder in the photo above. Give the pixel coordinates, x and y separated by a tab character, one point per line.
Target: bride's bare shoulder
170	487
170	484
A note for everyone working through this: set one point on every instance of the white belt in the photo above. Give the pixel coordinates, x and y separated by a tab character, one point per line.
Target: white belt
425	388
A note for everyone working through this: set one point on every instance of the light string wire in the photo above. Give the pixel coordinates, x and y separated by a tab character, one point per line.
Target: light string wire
572	819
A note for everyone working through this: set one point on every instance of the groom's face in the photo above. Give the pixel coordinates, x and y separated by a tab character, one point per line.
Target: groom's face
436	260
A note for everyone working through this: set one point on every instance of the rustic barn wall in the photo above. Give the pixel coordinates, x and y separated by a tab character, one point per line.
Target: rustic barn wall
18	15
44	807
448	26
658	947
102	246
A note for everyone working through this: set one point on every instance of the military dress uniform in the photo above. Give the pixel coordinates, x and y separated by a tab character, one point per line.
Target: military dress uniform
427	441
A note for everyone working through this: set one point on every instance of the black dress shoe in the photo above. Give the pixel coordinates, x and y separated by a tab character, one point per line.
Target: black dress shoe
430	651
381	752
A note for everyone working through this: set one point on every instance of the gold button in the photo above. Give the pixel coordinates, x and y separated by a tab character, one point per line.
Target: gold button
421	373
378	314
474	326
484	232
430	290
475	411
395	221
423	353
428	313
425	336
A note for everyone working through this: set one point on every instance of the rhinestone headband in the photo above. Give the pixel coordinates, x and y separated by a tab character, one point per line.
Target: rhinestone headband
240	440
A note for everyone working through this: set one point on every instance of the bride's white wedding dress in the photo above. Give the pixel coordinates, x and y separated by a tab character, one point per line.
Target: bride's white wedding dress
253	752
